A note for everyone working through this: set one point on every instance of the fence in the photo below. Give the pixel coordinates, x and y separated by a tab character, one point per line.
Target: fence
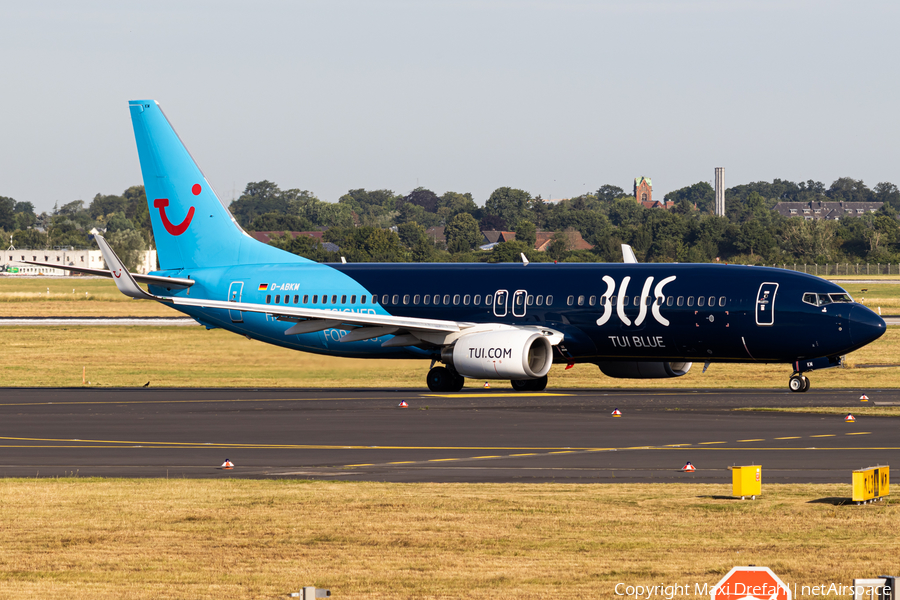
843	268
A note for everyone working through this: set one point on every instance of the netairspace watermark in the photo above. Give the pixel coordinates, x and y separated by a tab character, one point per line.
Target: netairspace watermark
675	590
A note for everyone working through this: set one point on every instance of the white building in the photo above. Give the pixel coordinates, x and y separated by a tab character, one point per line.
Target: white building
92	259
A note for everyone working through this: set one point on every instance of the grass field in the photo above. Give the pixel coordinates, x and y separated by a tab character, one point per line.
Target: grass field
195	357
91	538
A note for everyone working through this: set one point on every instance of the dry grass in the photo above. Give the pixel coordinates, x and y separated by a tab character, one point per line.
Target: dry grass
261	539
862	409
195	357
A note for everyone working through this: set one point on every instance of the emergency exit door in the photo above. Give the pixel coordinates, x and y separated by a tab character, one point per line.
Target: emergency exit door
765	304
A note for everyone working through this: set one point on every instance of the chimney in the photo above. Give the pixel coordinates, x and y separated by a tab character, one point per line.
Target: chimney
720	191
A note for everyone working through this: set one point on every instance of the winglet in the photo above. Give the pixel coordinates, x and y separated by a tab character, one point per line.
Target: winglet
124	281
628	254
524	258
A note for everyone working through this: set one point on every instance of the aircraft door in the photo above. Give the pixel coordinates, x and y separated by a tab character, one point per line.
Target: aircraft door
500	300
234	295
765	304
518	303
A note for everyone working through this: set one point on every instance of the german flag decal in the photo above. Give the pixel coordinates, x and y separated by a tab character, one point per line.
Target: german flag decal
263	287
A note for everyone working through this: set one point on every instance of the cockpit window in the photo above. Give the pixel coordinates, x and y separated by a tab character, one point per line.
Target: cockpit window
823	299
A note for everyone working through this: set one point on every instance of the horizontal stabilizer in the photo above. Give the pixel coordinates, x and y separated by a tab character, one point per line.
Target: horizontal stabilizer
167	282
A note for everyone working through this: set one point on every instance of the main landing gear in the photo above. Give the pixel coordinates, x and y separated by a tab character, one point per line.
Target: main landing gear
442	379
798	383
530	385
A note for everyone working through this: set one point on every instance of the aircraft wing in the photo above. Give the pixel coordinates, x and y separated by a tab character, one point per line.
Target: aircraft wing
177	282
408	331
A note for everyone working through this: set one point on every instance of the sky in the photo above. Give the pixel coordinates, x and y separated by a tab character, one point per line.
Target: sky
556	98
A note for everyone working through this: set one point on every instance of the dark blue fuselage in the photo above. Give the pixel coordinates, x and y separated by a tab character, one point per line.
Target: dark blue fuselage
607	312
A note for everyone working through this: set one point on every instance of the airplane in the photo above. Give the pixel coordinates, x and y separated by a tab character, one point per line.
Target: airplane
508	321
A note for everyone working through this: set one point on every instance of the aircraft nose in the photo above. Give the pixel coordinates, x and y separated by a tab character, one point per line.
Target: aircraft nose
865	326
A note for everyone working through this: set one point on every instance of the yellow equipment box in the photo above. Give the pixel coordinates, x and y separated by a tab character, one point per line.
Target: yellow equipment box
871	483
746	481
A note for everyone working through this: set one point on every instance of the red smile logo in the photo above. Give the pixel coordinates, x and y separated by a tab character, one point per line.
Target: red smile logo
162	203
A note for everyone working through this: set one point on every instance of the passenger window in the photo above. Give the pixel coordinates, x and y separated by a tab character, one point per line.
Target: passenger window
316	299
580	300
446	299
518	299
530	300
670	300
384	299
570	300
712	301
324	298
680	301
362	300
437	299
395	300
690	300
539	300
455	299
466	299
648	300
268	298
487	300
406	299
476	300
721	300
592	300
306	299
602	300
700	301
612	300
287	299
426	300
416	299
344	299
549	300
353	299
637	300
278	299
334	298
296	298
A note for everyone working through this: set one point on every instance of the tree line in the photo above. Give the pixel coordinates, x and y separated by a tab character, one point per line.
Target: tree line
381	225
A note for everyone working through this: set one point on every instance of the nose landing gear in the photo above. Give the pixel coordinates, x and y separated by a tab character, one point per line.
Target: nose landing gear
798	383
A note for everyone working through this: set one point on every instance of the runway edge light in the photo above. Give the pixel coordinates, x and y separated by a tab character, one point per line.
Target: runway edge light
617	413
688	467
849	418
863	398
227	464
403	404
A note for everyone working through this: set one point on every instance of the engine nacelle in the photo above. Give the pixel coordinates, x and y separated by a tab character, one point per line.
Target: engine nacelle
644	370
506	354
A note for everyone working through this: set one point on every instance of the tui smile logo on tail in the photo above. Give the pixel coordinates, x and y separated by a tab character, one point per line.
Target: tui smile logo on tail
162	203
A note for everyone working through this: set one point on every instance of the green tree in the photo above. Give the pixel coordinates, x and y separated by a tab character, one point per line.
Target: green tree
118	222
462	233
30	238
7	213
278	222
608	193
526	233
509	204
128	245
702	194
259	197
458	203
102	206
509	252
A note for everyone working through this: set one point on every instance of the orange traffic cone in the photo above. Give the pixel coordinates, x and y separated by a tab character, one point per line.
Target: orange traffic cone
849	418
617	413
487	385
403	404
688	468
864	398
227	464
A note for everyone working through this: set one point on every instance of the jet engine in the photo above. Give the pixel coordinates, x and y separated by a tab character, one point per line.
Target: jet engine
505	354
644	370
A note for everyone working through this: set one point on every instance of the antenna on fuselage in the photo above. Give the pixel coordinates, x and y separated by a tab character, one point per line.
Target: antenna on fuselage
628	254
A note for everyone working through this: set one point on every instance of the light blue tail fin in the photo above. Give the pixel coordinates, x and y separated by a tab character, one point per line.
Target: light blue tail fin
191	227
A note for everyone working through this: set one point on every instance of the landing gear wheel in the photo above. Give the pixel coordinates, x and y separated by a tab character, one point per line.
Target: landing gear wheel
457	382
798	383
530	385
440	379
805	383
